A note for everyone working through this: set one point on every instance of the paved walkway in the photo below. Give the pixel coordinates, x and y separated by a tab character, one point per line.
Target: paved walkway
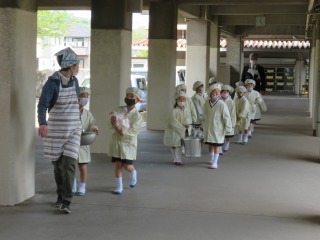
266	190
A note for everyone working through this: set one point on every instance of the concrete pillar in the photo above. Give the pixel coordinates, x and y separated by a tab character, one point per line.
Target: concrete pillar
316	83
17	101
161	62
233	58
111	36
311	75
214	61
197	55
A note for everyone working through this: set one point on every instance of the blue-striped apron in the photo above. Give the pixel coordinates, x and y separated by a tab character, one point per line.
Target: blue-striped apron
64	126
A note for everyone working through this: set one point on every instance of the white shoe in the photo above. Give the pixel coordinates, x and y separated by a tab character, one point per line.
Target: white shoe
213	166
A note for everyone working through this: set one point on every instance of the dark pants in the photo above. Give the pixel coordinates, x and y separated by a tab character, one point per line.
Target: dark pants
64	173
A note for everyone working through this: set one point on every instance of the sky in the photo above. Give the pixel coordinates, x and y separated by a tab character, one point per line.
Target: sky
138	20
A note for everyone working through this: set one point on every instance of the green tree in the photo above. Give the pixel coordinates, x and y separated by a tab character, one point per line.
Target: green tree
54	24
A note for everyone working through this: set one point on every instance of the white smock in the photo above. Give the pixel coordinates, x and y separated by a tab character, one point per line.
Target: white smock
175	130
64	126
198	101
243	109
255	100
88	124
125	146
217	121
232	111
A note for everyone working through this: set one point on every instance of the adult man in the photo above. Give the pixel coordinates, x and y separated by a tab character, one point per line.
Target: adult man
61	133
256	72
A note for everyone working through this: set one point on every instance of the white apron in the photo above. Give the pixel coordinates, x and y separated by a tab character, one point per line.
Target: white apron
64	126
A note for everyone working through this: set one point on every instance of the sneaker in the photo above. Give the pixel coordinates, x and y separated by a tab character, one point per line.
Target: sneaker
58	203
117	192
178	163
249	136
65	207
213	166
239	141
80	193
210	162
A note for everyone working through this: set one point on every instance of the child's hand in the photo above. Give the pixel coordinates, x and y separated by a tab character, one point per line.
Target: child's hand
113	120
186	125
96	131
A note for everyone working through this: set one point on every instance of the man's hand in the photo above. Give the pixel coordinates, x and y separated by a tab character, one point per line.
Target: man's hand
43	130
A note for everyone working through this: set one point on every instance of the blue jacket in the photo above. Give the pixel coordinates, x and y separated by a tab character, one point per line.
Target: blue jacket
49	95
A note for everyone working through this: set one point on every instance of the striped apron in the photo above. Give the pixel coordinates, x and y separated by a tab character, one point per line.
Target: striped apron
64	126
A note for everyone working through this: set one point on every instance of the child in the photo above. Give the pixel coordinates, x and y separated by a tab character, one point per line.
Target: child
178	122
226	90
123	143
190	106
88	124
243	110
217	123
256	102
198	100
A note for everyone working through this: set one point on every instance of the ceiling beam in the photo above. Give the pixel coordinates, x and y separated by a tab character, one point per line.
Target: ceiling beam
64	5
257	10
284	19
244	2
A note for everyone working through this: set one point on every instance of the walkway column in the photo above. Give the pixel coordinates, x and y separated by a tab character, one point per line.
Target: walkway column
316	82
233	58
197	55
17	100
110	63
161	62
214	61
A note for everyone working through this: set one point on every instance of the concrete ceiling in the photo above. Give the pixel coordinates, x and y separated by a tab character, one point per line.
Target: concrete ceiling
285	18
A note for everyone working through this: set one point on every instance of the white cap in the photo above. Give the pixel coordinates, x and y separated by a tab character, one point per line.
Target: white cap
240	83
180	94
241	89
250	81
180	87
212	87
134	91
196	85
227	88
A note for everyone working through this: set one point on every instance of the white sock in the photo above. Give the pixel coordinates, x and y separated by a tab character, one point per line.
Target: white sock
212	156
249	132
74	187
183	150
119	185
173	151
226	145
82	187
245	138
133	180
179	154
240	137
220	149
216	158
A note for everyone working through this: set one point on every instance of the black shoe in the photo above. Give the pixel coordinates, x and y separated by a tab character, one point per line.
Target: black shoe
58	203
65	207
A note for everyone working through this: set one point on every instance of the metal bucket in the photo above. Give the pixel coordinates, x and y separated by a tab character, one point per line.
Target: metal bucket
192	146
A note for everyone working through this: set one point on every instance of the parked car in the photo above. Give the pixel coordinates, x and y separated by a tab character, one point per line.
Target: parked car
138	81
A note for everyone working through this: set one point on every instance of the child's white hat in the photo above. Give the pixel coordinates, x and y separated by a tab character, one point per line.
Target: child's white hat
212	87
227	88
180	87
196	85
241	89
250	81
134	91
180	94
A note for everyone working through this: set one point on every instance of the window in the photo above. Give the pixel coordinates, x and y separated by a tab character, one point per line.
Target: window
138	65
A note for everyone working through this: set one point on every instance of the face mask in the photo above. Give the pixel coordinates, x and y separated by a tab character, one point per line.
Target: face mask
214	98
181	104
253	62
249	89
83	101
225	95
130	102
239	95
